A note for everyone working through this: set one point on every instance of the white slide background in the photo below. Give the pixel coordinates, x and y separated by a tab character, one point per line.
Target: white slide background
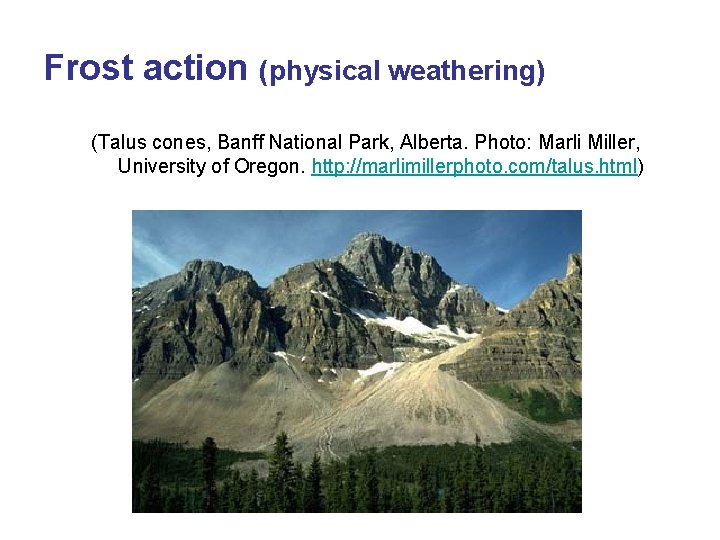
643	70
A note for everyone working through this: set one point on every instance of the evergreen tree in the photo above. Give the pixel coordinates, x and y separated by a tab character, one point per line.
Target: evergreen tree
266	496
442	504
251	493
281	479
349	487
333	487
478	479
209	472
135	492
235	496
400	500
299	486
367	494
150	496
426	498
224	498
541	499
462	497
173	501
506	501
385	489
525	476
491	490
313	493
449	494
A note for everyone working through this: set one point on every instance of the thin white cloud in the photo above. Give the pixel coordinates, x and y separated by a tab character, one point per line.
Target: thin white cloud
152	258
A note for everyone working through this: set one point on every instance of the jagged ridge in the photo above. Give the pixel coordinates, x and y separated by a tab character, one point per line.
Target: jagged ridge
210	313
541	338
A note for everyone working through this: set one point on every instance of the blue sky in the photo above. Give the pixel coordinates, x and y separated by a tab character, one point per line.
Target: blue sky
505	254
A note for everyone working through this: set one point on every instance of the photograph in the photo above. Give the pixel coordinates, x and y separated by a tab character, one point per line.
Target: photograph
357	361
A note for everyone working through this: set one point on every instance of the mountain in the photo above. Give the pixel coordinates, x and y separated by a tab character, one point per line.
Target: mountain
412	284
377	346
539	339
408	403
378	301
206	314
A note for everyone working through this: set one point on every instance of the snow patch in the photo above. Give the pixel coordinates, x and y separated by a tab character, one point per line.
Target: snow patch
326	295
387	367
144	308
410	326
501	310
445	329
283	355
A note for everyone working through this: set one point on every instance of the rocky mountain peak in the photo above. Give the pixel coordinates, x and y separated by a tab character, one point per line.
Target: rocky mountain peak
413	284
540	338
196	277
557	303
574	265
198	274
376	301
365	238
384	264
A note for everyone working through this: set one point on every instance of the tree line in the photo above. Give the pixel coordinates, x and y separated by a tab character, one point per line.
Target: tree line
536	475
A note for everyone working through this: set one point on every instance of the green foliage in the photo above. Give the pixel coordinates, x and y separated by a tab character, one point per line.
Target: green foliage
173	501
573	405
349	487
175	462
426	491
149	493
533	475
235	489
462	497
313	493
334	487
251	498
209	471
368	492
282	487
540	405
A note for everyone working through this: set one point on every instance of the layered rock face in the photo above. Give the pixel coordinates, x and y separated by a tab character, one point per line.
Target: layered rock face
313	304
377	301
206	314
541	338
410	284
